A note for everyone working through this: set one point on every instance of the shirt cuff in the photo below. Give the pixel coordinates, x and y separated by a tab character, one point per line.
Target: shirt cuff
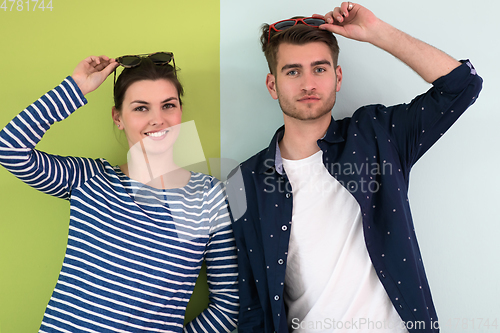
457	79
76	90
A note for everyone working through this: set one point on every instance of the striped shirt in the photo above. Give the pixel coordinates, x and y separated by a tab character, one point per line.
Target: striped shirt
134	252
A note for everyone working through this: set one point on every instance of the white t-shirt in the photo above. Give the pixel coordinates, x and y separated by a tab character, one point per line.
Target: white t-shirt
330	282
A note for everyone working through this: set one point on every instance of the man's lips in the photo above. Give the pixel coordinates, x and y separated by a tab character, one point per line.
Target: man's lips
309	99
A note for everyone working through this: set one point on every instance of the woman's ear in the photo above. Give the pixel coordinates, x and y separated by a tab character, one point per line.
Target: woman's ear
115	114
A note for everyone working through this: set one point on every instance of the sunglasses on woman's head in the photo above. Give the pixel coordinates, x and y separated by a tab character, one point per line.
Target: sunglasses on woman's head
158	58
285	24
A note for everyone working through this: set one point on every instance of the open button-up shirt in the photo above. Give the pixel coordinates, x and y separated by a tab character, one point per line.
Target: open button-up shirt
371	155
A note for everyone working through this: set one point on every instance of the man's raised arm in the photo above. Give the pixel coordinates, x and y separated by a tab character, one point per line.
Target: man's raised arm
356	22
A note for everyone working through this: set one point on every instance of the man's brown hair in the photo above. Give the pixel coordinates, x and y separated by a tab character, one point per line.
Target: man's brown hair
299	34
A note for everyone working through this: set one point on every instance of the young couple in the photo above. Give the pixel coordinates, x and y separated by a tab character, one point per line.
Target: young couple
137	238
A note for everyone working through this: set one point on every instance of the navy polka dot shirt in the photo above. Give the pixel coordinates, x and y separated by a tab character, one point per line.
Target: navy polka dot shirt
370	154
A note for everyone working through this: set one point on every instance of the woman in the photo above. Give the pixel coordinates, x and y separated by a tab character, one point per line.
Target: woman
138	233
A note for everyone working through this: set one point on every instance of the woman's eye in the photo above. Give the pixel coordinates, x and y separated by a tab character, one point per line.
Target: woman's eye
140	108
169	106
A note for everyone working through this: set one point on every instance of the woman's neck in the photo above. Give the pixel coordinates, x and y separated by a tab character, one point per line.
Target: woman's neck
155	170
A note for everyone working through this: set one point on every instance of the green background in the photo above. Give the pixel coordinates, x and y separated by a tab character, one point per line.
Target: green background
39	49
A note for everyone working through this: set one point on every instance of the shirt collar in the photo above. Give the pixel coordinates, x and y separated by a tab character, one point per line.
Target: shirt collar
333	134
272	157
272	153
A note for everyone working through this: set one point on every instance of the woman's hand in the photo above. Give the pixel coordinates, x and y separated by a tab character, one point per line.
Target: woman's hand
90	73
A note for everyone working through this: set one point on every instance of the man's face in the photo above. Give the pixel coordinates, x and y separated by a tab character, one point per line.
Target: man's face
306	81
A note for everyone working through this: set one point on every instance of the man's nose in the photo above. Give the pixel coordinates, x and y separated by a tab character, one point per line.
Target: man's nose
308	82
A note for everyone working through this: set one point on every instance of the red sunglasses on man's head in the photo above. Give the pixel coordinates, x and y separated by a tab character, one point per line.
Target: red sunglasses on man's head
285	24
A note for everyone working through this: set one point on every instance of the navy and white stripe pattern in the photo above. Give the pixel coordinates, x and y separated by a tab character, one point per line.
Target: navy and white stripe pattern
134	252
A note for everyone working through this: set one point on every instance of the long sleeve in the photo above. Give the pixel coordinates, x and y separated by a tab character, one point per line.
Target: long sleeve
251	316
243	201
415	127
51	174
222	271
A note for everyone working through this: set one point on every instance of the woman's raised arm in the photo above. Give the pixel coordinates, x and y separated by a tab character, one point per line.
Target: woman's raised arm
52	174
91	72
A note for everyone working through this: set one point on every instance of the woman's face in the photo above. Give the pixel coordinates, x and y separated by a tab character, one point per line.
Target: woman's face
150	109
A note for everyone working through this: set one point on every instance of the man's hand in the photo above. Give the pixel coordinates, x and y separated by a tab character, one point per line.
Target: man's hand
91	72
352	21
356	22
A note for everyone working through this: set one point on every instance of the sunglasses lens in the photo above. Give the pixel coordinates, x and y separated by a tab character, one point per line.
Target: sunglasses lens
284	25
314	22
161	58
129	61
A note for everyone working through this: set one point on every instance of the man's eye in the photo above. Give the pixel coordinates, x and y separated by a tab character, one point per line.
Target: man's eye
292	73
320	70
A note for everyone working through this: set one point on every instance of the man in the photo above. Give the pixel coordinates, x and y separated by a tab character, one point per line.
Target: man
325	237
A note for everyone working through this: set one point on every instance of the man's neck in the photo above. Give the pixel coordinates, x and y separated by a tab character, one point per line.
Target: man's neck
301	136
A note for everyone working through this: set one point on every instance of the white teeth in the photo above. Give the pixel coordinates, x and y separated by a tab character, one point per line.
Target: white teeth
156	134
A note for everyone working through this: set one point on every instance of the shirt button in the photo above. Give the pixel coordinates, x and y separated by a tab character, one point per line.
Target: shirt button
284	228
288	195
276	298
280	261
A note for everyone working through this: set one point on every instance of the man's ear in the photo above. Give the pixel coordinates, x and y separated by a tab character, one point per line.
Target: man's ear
338	71
271	85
